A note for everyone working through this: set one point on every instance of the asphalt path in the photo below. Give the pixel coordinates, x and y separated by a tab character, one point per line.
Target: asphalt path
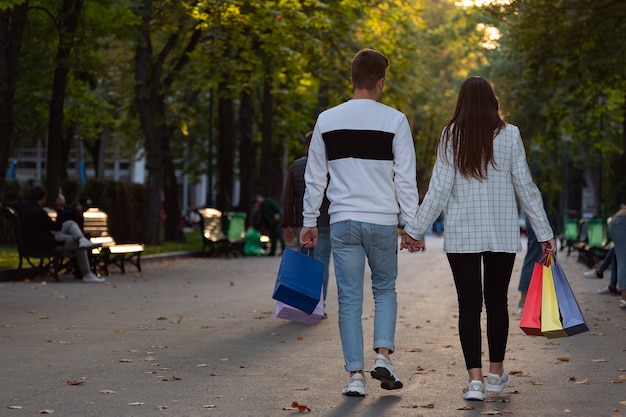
198	337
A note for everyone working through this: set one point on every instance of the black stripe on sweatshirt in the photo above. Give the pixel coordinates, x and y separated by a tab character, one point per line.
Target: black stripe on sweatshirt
359	144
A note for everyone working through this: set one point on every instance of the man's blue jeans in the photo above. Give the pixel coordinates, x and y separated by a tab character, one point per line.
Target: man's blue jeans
351	243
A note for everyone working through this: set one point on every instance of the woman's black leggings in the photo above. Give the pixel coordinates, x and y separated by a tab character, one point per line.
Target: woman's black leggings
466	269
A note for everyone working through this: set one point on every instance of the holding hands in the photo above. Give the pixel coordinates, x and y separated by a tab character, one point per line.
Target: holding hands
410	244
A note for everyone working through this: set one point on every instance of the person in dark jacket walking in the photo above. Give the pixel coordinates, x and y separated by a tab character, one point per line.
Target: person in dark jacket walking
292	209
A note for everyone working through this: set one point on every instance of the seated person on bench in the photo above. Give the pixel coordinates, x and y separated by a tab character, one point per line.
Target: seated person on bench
41	232
74	211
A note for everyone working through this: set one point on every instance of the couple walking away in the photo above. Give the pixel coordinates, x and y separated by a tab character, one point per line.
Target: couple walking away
363	157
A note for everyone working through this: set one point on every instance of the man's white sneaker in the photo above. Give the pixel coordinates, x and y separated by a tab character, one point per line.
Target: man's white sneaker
355	387
497	383
383	371
89	278
475	391
593	274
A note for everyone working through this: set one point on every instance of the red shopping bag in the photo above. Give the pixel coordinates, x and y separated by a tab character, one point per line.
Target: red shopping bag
530	322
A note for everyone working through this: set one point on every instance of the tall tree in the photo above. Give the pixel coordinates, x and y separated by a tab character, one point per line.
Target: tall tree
12	24
69	16
155	73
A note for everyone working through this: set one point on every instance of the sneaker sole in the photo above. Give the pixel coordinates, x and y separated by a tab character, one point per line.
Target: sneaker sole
474	396
387	381
353	394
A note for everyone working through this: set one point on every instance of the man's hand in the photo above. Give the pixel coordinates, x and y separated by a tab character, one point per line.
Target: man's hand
308	237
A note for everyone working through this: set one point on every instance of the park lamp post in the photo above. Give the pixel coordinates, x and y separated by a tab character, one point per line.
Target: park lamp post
601	102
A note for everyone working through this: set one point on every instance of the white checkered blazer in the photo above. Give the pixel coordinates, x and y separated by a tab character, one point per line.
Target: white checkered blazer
483	215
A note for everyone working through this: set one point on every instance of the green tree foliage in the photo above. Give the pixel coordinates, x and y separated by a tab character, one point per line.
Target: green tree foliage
562	69
229	87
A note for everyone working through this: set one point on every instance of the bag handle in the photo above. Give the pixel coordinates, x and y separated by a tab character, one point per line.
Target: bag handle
309	251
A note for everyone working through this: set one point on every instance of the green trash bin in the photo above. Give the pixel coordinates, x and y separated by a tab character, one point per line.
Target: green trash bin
571	230
236	226
595	233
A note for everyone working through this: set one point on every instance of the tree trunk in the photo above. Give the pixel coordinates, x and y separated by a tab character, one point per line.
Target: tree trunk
145	92
173	228
266	138
247	165
70	14
12	23
226	148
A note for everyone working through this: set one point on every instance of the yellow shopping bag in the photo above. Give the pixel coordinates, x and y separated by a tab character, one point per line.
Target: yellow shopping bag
551	325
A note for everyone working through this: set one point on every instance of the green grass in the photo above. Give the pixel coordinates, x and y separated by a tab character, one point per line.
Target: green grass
9	258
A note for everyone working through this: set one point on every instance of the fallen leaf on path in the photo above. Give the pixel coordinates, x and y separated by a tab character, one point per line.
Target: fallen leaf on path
161	318
301	389
47	411
299	337
584	381
66	343
517	373
466	408
202	365
75	382
536	383
136	403
127	360
160	407
618	380
600	360
303	408
622	403
564	358
107	391
209	406
14	407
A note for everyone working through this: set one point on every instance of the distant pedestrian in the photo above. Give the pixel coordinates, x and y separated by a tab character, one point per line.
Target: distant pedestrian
481	164
292	211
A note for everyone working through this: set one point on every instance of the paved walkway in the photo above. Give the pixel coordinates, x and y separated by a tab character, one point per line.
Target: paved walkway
198	337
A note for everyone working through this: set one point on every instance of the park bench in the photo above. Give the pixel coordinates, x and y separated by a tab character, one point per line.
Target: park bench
109	252
222	233
96	226
49	261
593	243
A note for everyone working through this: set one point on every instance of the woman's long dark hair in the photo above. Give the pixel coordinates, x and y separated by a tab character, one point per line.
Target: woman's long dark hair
472	127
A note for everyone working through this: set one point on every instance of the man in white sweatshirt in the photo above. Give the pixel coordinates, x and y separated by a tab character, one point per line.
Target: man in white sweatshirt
363	152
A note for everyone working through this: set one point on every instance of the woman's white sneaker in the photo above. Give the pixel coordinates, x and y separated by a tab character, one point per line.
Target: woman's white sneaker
475	391
497	383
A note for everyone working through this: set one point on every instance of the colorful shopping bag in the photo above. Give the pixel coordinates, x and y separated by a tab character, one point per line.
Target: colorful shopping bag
287	312
571	315
530	322
551	325
299	281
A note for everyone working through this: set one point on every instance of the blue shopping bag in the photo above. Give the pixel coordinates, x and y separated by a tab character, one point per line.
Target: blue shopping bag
299	281
571	315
